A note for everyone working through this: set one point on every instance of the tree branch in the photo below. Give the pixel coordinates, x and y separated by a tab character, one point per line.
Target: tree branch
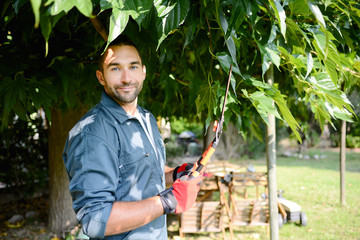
98	26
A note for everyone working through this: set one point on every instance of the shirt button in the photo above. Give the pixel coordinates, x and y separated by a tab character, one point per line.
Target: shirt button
147	154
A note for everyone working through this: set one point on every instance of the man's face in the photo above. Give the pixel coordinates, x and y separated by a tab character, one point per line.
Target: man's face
123	74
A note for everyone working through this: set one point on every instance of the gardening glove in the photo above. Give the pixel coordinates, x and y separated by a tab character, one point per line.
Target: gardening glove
182	170
181	195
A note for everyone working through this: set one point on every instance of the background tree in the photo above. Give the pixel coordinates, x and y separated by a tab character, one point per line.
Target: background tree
49	51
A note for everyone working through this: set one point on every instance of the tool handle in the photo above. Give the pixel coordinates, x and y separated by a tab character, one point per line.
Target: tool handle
195	171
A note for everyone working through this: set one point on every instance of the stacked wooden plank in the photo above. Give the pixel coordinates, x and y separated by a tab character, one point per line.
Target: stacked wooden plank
238	201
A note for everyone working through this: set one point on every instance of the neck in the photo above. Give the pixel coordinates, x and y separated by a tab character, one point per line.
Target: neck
130	108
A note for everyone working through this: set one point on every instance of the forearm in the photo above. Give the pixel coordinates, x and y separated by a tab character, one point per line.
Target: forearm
126	216
169	176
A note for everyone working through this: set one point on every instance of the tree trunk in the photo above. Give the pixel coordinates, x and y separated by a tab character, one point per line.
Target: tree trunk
229	145
61	214
342	162
271	167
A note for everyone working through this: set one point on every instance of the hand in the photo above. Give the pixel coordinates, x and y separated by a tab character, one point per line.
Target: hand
182	170
181	196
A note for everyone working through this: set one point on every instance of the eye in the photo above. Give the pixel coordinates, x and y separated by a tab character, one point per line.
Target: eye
115	69
134	67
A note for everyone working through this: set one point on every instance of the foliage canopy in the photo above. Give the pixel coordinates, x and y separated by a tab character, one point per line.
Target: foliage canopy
188	47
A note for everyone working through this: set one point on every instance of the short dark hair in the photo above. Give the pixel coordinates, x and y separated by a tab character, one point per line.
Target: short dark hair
121	40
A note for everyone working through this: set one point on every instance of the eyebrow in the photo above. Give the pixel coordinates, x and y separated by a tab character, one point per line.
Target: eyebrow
117	64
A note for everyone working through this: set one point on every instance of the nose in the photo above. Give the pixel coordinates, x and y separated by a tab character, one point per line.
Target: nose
125	78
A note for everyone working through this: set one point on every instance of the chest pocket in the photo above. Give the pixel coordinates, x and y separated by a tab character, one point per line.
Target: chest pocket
140	175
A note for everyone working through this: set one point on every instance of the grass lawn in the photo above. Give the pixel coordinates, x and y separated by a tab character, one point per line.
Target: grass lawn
314	184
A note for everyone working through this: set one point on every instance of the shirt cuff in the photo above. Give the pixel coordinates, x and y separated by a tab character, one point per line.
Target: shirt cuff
94	223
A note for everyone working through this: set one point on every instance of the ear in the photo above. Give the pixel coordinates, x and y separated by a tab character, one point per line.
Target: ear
100	77
144	72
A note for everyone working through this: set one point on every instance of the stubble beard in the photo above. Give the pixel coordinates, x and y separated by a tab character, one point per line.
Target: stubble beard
126	98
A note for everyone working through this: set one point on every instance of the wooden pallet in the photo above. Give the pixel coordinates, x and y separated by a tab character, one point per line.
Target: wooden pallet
207	215
202	217
250	213
243	182
247	206
220	168
242	207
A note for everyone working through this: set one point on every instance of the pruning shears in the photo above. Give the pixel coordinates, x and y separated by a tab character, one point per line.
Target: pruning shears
218	126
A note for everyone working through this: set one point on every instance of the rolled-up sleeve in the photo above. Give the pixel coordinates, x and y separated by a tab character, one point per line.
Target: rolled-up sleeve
92	167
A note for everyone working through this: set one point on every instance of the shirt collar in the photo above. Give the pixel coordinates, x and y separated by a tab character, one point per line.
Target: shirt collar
116	110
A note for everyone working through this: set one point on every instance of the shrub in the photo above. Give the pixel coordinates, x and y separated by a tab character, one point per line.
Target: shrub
24	155
352	141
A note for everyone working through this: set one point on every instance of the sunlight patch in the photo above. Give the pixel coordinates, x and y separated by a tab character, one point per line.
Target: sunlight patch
80	125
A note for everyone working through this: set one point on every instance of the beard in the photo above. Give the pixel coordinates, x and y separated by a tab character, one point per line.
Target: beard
121	97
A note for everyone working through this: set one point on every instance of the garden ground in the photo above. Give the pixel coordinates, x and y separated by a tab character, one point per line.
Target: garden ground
313	182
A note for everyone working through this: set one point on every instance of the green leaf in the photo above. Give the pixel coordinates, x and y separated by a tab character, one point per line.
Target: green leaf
273	34
330	93
321	115
223	22
172	14
264	105
346	35
67	69
35	4
318	14
336	113
320	41
273	54
280	15
258	84
238	13
294	60
105	4
8	90
331	66
310	64
190	34
41	93
20	110
263	101
85	7
17	4
269	53
58	6
232	48
225	62
285	112
118	21
265	64
164	7
137	9
328	53
256	131
206	99
298	7
295	35
13	90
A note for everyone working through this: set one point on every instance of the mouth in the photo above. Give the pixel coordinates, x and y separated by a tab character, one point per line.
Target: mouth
126	88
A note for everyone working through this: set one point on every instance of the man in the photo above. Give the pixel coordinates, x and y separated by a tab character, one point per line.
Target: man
115	158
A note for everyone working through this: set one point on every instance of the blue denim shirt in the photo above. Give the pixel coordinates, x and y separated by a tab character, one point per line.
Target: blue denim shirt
109	158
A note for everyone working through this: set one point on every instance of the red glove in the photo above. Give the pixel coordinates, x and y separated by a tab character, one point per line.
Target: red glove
182	170
181	195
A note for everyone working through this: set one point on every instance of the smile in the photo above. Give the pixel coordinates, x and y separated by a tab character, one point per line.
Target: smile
126	88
